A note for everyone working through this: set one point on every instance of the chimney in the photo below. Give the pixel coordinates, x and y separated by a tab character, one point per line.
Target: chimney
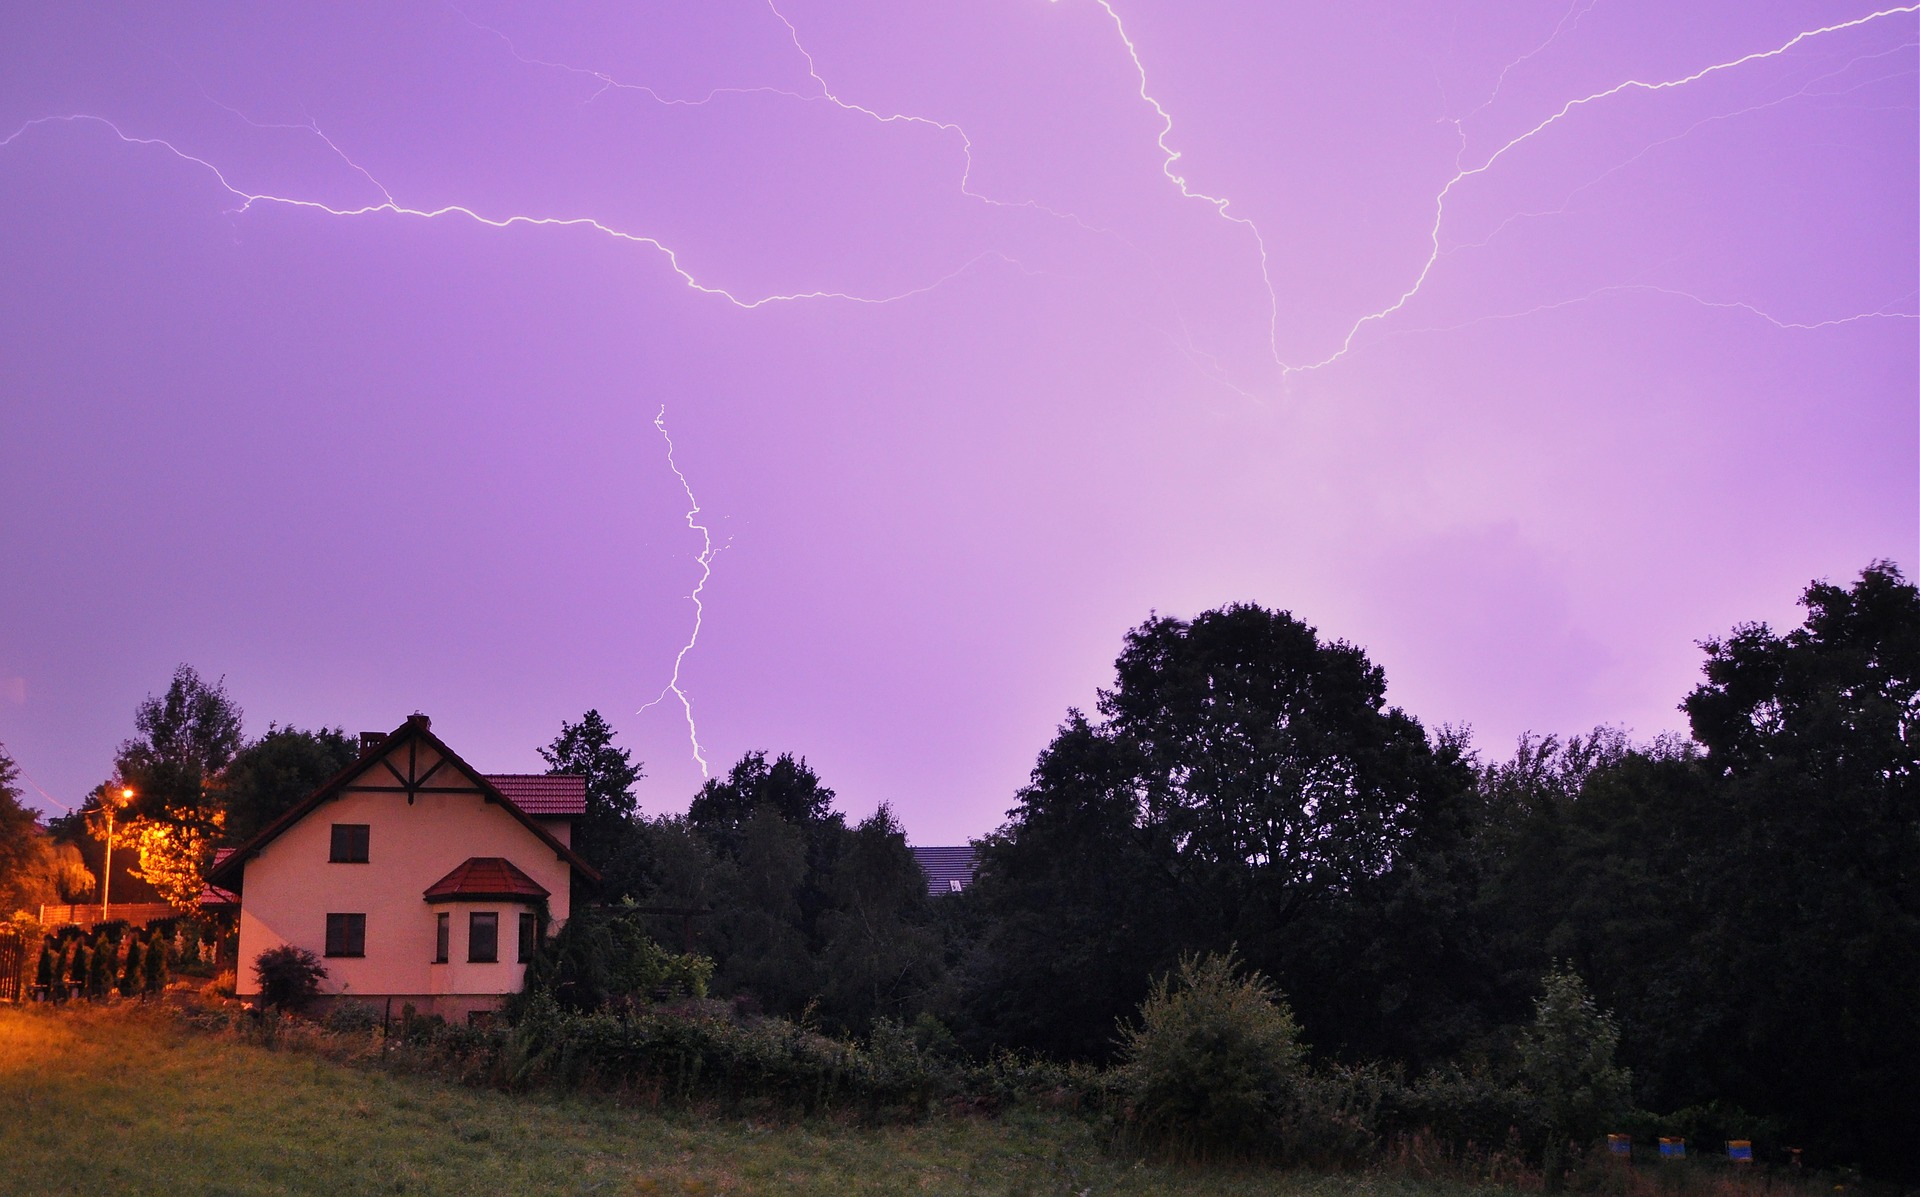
370	741
420	721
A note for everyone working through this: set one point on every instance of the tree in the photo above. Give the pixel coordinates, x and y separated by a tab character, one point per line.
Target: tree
788	787
1566	1062
880	953
586	748
175	852
1248	784
274	773
1814	738
34	870
187	736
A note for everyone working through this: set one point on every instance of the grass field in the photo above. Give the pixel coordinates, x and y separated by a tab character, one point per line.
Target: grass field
119	1099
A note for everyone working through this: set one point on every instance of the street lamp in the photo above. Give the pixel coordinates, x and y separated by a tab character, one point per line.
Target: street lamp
106	870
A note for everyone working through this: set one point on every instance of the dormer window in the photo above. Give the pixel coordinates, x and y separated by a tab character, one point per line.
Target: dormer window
350	842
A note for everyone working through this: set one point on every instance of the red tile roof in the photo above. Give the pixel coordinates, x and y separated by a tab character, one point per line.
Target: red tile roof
542	795
213	895
486	877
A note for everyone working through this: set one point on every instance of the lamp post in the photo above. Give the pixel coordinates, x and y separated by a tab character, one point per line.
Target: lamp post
106	870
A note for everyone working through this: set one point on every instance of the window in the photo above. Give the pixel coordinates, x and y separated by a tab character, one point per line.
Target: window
346	935
349	843
483	937
529	935
442	937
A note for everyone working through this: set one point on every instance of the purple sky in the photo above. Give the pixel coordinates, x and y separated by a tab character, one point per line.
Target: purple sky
363	461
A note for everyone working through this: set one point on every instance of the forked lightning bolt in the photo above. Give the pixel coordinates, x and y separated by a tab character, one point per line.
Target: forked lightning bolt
1572	17
391	206
1461	175
705	561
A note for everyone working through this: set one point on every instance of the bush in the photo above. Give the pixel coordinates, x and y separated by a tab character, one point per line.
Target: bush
353	1018
222	986
154	972
1566	1063
289	977
132	978
1215	1061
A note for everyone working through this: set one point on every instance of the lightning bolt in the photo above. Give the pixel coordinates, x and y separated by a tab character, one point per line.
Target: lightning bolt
1806	90
388	205
705	561
1220	204
1463	174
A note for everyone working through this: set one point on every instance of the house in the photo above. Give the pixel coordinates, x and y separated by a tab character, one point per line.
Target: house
415	877
948	870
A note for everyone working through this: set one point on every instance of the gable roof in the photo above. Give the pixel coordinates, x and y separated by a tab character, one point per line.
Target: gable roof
544	795
228	872
481	878
948	870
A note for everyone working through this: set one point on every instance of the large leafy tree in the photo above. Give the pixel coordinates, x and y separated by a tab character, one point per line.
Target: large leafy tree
1814	737
34	869
275	772
1247	785
187	736
788	787
587	748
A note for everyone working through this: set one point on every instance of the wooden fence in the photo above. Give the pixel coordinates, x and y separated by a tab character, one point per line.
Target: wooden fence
137	914
18	955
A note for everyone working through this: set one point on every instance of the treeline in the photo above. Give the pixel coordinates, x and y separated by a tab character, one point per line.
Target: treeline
1744	902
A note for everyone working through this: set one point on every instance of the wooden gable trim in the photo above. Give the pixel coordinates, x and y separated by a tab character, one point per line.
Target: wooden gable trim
229	873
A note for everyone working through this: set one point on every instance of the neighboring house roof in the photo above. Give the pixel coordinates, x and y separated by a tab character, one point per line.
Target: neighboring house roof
544	795
213	897
486	878
228	873
948	870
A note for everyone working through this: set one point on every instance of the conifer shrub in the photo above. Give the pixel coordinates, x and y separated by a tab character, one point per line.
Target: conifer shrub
100	968
77	965
155	971
47	970
289	977
1214	1064
132	973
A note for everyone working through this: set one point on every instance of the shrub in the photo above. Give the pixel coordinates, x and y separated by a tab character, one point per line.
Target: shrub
289	977
132	974
1566	1063
1215	1060
353	1018
100	968
48	969
223	985
604	956
77	964
155	972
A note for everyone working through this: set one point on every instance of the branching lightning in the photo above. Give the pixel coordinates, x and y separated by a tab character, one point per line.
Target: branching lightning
388	205
705	561
1461	175
1220	204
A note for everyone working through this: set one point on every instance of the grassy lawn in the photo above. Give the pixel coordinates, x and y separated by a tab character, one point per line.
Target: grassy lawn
118	1099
